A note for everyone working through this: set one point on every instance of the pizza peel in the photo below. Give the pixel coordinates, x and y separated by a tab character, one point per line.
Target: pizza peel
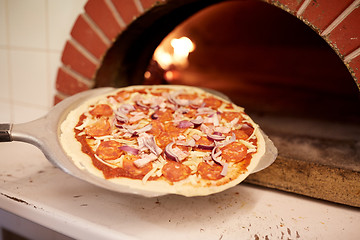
45	132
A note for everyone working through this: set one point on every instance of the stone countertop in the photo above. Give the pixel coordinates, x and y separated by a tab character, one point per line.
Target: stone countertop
32	188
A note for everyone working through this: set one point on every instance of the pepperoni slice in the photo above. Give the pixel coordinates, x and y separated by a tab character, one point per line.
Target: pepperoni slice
164	115
239	134
163	139
212	102
204	141
133	170
206	144
173	130
157	94
229	106
109	150
247	129
100	128
209	172
101	110
122	95
234	152
188	96
229	116
174	171
157	128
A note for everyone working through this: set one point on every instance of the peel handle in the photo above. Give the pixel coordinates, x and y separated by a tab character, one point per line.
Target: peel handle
5	132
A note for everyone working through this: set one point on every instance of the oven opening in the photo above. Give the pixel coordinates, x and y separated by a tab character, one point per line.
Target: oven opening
290	81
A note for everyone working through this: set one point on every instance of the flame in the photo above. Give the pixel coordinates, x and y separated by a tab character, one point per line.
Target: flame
177	56
163	58
182	47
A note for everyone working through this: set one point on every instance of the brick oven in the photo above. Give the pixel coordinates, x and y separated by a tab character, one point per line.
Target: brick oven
294	65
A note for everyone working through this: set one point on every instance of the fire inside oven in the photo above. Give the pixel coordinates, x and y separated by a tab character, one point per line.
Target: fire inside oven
285	75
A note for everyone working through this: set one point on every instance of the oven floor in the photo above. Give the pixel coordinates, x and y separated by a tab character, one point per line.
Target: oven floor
317	158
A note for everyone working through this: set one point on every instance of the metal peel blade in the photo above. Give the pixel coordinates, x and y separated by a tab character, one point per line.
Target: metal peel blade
44	133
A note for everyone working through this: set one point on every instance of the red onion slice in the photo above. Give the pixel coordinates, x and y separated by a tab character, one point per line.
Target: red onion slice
143	129
137	116
185	124
205	111
216	137
213	118
172	97
121	117
215	156
141	104
118	124
234	122
129	149
154	116
170	154
225	166
197	121
189	143
206	129
120	113
205	147
197	103
152	146
182	110
222	129
126	108
224	143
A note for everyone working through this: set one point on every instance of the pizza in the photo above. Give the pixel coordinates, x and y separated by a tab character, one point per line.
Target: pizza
168	139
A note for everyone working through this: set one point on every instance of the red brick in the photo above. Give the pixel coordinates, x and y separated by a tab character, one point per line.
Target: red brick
88	38
78	62
99	12
69	85
126	9
291	5
149	3
355	67
58	98
321	13
346	36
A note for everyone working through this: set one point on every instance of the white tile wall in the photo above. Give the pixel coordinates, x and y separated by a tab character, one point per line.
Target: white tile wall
32	36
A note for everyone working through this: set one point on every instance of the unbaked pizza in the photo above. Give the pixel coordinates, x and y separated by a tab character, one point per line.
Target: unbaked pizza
163	138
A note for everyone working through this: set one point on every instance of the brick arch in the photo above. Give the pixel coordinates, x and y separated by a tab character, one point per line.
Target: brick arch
102	21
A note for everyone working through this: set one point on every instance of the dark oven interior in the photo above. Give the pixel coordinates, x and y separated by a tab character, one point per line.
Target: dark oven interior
285	75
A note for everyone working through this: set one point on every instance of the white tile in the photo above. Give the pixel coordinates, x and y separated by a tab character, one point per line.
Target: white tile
4	76
5	112
62	16
3	27
27	23
23	113
29	77
54	64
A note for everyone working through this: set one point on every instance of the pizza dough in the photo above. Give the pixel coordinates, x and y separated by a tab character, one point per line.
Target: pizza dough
168	139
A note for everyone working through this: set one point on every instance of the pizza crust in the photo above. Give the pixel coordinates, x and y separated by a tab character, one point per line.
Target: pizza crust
192	186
